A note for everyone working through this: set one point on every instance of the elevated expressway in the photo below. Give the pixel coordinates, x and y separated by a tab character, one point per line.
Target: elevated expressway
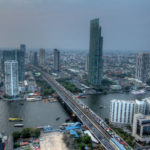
102	136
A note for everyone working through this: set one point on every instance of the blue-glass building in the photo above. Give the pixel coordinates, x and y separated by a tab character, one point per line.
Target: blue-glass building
19	56
95	67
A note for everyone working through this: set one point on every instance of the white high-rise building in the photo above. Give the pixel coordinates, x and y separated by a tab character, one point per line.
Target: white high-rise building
122	111
11	77
142	66
140	107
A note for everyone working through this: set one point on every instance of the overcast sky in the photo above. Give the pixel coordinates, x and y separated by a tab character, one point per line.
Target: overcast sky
65	23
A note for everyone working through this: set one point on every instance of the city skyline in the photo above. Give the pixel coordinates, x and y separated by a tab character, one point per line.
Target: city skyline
68	27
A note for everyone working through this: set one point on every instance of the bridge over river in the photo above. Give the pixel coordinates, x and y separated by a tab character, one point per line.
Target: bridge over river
67	97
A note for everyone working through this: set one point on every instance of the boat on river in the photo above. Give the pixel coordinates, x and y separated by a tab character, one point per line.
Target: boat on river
138	92
57	118
15	119
67	120
18	125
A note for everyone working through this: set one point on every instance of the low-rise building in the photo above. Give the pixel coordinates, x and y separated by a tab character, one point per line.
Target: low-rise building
141	128
115	87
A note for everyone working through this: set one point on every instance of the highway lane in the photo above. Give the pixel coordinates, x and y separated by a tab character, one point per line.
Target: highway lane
90	123
70	96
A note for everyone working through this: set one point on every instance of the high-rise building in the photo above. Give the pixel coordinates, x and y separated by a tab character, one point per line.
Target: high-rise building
122	111
140	107
11	77
142	66
56	60
17	55
23	47
95	69
87	63
147	100
35	59
141	128
42	57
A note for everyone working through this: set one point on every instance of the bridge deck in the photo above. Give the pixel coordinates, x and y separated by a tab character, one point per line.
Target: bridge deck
102	136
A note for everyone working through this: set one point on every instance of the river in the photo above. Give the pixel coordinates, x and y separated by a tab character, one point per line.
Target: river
34	114
41	113
100	104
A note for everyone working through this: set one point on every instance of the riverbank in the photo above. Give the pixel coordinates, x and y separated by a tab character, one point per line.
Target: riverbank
34	114
70	136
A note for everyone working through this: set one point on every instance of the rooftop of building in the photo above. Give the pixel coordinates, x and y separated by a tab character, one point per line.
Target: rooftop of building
129	101
123	101
143	118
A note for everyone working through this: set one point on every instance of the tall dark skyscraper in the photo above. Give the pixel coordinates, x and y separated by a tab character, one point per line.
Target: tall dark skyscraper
35	59
42	57
17	55
56	60
95	67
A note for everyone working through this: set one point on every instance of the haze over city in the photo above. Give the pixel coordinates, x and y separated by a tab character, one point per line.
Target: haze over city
65	23
74	75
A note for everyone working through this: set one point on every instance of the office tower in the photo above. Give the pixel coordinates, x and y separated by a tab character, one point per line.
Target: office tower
122	111
42	57
11	77
17	55
56	60
141	128
142	66
35	59
95	69
30	57
23	47
87	63
147	101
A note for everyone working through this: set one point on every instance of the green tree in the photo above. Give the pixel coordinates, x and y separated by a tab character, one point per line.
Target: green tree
16	135
32	132
25	133
37	132
86	139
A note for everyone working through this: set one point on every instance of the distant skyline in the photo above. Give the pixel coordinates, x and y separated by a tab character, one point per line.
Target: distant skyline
65	24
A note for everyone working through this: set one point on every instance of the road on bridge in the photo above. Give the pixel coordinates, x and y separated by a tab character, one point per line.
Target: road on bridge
102	136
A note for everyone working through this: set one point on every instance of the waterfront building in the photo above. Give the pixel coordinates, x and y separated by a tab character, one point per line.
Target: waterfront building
122	111
140	107
147	101
35	59
42	57
115	87
141	128
142	66
19	56
11	77
56	60
95	68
